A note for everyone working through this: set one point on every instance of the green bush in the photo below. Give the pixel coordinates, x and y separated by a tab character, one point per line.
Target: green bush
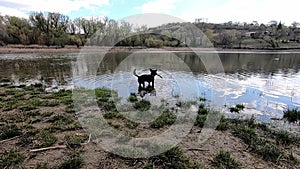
224	160
11	159
166	118
292	115
9	131
142	105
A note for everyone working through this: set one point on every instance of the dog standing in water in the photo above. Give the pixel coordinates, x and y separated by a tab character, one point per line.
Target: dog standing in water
146	78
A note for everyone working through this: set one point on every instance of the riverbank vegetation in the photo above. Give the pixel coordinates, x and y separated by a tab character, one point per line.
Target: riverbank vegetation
39	129
58	30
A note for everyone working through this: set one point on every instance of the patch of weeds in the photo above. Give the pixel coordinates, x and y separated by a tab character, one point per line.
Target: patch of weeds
142	105
202	99
62	93
284	138
112	114
28	137
166	118
173	158
269	151
70	109
132	124
46	114
225	160
114	124
248	135
12	159
62	123
44	139
74	139
10	105
292	115
223	125
52	103
200	120
237	108
72	163
8	131
132	97
27	107
129	152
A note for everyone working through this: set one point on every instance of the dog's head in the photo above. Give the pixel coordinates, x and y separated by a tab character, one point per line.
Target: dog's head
154	72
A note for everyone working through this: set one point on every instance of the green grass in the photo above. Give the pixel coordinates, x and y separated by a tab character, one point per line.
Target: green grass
44	139
173	158
11	159
292	115
132	97
166	118
237	108
142	105
224	160
8	131
72	163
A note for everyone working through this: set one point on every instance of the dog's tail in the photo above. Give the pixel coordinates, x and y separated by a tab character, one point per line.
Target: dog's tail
134	73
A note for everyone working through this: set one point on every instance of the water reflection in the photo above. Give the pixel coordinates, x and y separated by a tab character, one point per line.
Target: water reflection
267	83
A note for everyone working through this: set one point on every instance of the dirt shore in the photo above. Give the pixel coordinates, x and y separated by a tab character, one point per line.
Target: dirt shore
73	49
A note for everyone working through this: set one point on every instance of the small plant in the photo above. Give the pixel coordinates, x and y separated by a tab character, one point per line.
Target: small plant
74	140
237	108
224	160
166	118
200	120
72	163
223	125
202	99
44	139
142	105
132	97
292	115
173	158
11	159
9	131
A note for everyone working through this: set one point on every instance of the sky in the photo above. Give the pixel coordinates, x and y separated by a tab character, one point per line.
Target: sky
216	11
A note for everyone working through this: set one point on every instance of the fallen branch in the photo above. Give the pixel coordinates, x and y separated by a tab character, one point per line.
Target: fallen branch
59	147
48	148
3	141
87	141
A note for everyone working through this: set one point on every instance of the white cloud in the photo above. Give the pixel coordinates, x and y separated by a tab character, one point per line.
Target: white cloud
262	11
18	7
158	6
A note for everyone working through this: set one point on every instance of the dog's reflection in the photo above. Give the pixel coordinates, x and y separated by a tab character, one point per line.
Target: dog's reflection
147	90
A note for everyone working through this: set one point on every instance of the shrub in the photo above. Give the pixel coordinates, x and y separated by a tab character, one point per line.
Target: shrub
224	160
166	118
142	105
292	115
9	131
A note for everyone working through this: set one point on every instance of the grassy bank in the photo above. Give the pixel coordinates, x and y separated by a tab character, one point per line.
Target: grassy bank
41	130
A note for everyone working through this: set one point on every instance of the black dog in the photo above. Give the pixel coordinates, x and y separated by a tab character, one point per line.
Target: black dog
146	78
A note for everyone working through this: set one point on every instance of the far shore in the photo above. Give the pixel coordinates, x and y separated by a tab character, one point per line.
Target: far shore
11	49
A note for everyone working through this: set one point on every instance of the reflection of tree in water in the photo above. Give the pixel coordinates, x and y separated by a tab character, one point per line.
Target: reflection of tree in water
45	68
249	63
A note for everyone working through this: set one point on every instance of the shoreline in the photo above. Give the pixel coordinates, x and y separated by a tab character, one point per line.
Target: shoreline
14	49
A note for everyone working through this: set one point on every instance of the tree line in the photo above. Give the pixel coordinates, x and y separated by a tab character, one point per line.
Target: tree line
55	29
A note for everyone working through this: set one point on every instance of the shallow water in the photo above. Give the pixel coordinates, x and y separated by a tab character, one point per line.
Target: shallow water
267	83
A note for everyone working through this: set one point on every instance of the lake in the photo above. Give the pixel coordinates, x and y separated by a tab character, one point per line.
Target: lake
267	83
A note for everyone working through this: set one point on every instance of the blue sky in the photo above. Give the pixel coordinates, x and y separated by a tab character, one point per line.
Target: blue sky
216	11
